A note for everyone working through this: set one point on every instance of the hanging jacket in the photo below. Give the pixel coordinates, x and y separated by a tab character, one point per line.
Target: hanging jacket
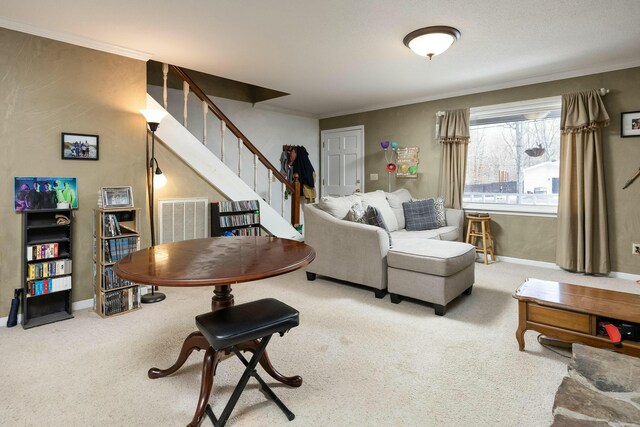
306	174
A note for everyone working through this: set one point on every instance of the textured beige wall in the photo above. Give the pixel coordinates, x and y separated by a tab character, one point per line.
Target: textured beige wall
518	236
49	87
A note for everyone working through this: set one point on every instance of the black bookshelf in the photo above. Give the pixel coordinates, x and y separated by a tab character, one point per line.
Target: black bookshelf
240	218
47	267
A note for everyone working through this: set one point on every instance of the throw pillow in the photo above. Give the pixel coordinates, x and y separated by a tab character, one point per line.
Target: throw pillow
440	213
374	217
378	200
338	207
396	199
420	215
356	213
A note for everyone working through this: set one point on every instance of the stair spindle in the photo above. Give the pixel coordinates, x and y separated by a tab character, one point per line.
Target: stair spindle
223	126
270	180
284	195
255	172
185	92
165	76
205	110
239	157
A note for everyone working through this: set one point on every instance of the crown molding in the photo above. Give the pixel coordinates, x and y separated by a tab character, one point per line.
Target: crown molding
74	39
488	88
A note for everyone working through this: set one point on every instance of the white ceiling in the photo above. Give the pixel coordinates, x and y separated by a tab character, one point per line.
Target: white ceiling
341	56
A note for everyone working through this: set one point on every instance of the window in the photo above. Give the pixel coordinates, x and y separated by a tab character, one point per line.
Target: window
513	157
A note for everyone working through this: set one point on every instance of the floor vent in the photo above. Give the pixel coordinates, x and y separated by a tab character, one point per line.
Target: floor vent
182	219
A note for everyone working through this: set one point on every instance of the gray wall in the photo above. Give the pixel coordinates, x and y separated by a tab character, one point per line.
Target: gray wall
49	87
526	237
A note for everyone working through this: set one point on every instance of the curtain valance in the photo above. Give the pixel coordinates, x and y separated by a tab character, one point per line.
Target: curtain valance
583	111
454	126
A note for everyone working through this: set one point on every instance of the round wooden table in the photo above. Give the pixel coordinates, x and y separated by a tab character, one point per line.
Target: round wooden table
219	262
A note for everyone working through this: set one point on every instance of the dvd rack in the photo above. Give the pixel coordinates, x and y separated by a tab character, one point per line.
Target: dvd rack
235	218
116	235
47	268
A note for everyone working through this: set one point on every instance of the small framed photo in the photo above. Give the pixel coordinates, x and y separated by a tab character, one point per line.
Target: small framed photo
116	197
77	146
630	124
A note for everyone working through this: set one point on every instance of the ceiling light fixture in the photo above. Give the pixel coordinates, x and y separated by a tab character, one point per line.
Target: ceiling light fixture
431	41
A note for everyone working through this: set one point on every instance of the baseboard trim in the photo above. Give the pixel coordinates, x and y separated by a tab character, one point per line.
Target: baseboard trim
552	266
78	305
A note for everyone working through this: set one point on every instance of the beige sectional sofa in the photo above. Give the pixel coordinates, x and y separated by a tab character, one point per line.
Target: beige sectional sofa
357	252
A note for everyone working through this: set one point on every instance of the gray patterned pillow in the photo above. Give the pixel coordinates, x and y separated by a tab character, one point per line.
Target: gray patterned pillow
374	217
440	215
420	215
356	213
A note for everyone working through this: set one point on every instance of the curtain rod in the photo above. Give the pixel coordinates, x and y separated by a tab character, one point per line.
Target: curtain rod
602	91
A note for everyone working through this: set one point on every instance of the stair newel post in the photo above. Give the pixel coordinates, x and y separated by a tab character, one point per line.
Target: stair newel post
205	110
295	201
239	157
270	179
223	126
165	76
255	172
185	94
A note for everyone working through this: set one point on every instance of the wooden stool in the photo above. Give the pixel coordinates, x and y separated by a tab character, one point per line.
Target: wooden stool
479	227
225	330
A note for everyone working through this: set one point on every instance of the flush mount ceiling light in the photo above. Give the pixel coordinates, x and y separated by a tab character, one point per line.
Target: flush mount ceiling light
431	41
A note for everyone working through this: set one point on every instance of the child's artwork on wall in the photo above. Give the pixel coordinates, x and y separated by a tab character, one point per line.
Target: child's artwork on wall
407	162
38	193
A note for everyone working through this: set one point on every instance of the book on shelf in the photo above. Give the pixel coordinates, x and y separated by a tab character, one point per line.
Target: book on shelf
240	220
248	231
110	225
48	269
116	249
47	286
241	205
111	281
47	250
121	300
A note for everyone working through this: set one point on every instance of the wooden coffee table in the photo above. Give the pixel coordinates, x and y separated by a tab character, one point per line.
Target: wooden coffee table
571	313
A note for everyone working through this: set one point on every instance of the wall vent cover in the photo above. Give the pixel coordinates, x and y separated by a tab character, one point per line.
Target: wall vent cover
182	219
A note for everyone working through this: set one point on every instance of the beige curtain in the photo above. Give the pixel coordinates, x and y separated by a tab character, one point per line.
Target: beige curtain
454	137
583	239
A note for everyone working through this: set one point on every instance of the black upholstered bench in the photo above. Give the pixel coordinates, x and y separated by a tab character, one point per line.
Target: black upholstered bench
226	328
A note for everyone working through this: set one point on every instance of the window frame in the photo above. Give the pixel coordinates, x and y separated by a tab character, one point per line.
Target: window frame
510	109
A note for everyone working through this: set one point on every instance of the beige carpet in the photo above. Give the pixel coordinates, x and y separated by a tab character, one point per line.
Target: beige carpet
365	362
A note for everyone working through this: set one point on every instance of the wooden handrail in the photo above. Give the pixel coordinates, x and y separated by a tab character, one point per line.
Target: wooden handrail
293	188
220	115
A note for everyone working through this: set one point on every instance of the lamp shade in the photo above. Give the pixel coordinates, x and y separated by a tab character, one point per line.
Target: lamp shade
430	41
153	116
159	179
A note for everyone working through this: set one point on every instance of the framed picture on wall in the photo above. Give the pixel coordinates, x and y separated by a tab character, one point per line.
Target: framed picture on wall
630	124
32	193
78	146
117	197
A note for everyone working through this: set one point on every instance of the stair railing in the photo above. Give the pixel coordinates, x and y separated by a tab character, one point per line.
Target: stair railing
292	188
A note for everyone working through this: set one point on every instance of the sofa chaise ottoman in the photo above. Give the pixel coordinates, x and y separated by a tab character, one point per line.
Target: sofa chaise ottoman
434	271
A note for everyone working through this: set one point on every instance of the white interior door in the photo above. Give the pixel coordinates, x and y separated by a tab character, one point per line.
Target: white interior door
342	161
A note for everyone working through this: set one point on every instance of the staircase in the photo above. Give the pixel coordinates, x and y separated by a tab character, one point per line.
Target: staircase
227	177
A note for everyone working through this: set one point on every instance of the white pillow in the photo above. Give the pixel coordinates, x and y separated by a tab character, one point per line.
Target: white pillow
396	199
338	206
378	200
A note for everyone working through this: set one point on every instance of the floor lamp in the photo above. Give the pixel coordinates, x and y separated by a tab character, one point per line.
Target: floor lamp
155	179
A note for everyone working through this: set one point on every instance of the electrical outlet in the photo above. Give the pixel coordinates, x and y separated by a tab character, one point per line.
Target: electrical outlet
373	177
635	248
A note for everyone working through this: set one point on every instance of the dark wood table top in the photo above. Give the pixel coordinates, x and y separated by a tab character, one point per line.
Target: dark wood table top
601	302
214	261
